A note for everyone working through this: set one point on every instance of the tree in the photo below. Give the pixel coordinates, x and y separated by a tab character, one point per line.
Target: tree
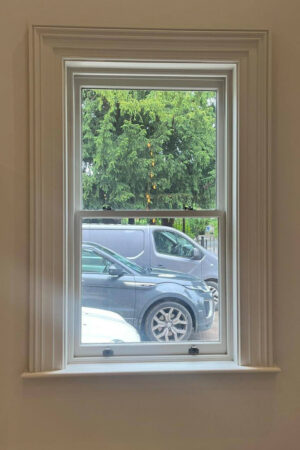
148	149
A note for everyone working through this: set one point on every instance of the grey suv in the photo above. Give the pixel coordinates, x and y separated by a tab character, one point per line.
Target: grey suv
162	305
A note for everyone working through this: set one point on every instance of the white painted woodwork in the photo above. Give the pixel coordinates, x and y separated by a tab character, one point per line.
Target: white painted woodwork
249	52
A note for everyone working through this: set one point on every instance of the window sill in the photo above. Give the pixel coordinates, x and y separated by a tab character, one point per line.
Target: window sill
77	370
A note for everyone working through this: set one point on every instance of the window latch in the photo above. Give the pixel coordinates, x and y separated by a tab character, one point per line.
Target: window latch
193	350
108	352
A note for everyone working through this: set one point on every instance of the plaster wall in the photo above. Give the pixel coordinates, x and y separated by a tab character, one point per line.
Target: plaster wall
195	412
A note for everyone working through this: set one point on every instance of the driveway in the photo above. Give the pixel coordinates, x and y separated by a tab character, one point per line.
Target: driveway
209	335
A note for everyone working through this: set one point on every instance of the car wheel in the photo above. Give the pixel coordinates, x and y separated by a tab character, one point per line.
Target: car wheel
214	289
168	321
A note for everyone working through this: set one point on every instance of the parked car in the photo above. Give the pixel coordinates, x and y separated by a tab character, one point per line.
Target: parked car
101	326
162	305
158	247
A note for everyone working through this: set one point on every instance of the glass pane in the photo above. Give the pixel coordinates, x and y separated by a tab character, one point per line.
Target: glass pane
148	149
150	280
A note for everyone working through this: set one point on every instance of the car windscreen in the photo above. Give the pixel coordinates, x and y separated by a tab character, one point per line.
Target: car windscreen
122	259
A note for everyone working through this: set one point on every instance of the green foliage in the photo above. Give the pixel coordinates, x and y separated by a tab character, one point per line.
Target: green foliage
196	226
139	144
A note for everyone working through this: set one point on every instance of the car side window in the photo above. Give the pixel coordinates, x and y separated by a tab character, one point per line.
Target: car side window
91	262
170	243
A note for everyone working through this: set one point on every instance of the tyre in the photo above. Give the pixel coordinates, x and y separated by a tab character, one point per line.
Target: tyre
168	321
214	289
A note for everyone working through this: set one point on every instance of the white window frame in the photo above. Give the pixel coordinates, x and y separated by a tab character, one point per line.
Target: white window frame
145	76
243	54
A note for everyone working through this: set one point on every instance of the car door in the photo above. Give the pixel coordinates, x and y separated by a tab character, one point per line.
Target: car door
172	251
104	291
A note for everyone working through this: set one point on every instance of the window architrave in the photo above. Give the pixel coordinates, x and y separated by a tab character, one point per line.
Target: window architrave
249	53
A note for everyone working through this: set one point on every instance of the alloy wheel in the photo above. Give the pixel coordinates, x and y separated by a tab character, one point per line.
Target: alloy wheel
215	293
169	324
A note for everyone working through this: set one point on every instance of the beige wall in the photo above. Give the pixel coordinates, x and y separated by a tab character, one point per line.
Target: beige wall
211	412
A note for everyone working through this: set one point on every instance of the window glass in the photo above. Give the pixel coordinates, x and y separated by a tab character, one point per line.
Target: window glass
167	293
148	149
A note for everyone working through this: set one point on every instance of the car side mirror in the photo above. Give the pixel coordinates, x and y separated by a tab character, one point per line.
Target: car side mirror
196	253
115	271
